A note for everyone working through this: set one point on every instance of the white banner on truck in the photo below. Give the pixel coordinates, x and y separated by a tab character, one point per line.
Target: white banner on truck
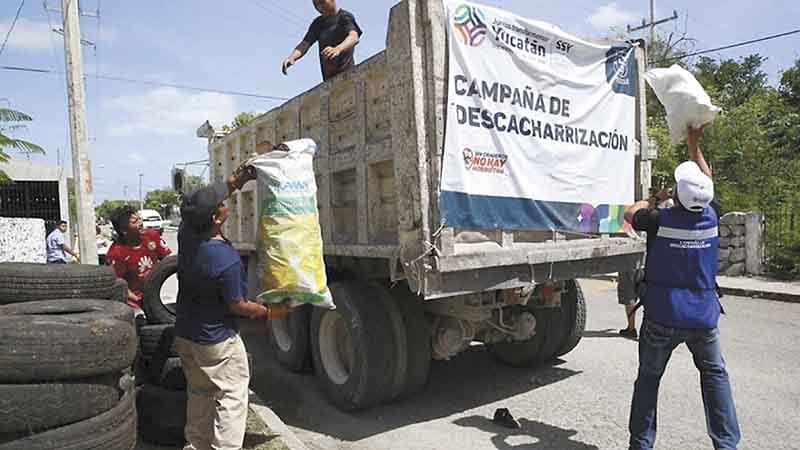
540	125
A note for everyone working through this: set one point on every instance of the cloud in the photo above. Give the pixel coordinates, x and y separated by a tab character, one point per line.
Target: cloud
605	17
27	35
169	111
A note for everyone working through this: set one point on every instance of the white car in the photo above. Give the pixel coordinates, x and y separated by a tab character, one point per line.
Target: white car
152	219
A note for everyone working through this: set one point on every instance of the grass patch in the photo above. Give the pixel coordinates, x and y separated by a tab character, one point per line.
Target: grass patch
259	437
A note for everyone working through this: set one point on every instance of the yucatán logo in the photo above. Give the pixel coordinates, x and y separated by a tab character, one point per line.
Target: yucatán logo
470	24
484	162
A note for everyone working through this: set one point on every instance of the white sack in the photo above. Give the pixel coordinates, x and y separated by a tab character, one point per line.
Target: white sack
685	100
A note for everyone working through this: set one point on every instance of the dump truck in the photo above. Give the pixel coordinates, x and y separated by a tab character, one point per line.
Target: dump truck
408	288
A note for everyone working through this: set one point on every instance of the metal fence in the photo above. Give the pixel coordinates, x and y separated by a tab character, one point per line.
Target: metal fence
782	229
31	199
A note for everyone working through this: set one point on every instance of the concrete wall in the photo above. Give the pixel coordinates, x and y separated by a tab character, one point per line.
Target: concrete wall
741	244
22	240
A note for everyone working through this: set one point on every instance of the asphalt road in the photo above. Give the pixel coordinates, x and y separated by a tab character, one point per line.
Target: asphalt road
579	403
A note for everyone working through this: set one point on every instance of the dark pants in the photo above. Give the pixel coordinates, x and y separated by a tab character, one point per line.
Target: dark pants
656	344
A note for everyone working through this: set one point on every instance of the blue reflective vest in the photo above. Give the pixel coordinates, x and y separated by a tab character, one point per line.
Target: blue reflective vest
682	270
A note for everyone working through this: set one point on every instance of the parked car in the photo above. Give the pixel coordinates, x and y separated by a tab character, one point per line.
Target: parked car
152	219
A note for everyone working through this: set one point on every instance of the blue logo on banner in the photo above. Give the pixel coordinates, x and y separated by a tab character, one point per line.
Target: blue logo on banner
621	70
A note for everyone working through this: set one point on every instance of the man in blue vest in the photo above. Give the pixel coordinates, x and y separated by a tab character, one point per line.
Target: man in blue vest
681	303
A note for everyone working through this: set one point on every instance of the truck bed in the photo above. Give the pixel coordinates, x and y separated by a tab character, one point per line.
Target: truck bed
380	131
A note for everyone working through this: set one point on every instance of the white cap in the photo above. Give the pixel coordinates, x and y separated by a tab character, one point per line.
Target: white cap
695	189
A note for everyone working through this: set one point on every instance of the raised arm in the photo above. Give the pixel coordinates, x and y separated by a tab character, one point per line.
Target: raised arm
695	154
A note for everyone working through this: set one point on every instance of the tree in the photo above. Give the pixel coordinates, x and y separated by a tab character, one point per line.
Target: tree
193	182
162	200
239	121
11	121
107	207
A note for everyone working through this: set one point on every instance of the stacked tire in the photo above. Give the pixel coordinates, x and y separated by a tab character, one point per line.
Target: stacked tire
161	394
65	359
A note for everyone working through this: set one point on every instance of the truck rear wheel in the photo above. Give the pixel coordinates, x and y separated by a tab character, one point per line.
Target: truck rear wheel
354	346
535	350
291	340
573	310
418	339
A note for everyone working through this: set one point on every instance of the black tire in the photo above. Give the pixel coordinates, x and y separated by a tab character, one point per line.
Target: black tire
527	353
23	282
154	308
399	340
162	415
167	374
114	429
290	338
418	340
574	310
371	366
36	407
71	339
153	337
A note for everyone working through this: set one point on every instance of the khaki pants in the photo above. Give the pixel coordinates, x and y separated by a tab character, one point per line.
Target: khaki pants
218	378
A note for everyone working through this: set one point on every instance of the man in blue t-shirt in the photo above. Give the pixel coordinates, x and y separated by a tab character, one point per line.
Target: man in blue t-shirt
212	291
680	301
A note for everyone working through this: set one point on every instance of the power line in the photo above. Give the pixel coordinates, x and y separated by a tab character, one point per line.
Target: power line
11	28
726	47
150	83
277	12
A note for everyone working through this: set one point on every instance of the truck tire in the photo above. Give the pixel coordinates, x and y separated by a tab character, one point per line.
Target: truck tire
574	314
353	347
527	353
290	338
119	292
154	308
114	429
24	282
399	339
162	415
37	407
418	339
153	337
49	341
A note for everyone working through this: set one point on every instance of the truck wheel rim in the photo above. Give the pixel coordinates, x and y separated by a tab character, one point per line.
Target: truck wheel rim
335	347
280	331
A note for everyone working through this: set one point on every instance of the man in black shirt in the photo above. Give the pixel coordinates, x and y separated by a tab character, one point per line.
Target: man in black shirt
337	32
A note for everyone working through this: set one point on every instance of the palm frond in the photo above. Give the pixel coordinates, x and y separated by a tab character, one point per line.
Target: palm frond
25	146
10	115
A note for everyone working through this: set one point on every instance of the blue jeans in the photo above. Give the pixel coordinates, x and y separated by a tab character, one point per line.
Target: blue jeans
656	344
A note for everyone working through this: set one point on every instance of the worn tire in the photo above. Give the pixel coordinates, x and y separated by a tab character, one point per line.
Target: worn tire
154	308
167	374
371	360
23	282
153	337
290	338
574	313
70	339
119	292
114	429
526	353
162	415
418	340
36	407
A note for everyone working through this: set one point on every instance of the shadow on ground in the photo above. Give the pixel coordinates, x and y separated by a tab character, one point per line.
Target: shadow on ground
545	436
470	380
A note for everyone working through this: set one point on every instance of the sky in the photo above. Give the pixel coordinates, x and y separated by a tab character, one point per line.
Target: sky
238	45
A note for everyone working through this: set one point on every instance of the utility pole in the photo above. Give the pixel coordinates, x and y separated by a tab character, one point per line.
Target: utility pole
141	199
81	165
653	23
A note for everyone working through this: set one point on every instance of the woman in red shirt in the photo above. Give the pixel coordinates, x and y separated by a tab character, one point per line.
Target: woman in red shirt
135	252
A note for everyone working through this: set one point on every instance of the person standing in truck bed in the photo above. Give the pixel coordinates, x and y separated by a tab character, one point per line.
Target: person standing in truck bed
337	33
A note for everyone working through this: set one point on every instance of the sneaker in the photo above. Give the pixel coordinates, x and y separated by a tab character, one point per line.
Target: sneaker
629	333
